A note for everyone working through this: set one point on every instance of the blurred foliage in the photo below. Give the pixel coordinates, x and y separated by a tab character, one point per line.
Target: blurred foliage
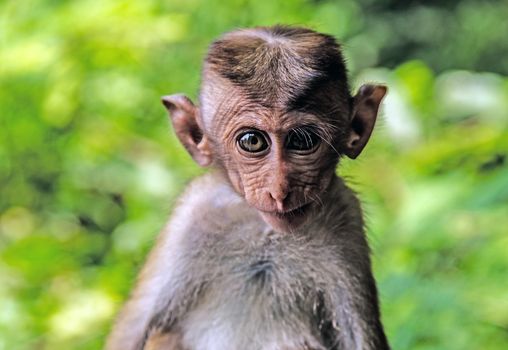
89	168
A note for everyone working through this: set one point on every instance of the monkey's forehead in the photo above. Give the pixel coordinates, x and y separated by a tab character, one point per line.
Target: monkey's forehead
224	106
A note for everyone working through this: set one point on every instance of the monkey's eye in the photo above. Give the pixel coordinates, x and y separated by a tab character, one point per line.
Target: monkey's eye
252	141
302	139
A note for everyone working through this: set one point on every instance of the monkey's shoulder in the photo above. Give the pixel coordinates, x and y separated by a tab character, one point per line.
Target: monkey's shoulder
210	190
207	207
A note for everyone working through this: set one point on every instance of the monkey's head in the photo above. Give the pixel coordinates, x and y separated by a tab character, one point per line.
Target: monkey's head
276	115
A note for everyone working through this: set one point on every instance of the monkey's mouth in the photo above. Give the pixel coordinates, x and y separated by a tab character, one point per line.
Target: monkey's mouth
287	220
292	213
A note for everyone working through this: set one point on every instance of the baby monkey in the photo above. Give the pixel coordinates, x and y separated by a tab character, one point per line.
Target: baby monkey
268	250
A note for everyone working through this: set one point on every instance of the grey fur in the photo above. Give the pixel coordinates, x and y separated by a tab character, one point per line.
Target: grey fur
227	281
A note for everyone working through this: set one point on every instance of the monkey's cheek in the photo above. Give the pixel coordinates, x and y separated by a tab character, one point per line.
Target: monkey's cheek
282	223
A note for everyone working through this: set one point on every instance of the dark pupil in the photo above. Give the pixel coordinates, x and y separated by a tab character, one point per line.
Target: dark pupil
252	142
302	140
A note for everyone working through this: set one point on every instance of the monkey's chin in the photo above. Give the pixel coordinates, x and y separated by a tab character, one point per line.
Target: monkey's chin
286	222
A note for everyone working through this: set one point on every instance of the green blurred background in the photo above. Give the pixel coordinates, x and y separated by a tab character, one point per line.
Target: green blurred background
90	169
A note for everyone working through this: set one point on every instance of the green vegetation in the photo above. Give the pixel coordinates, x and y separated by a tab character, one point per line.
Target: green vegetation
89	168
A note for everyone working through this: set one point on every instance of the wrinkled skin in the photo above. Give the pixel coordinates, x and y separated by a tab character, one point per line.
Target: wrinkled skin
284	185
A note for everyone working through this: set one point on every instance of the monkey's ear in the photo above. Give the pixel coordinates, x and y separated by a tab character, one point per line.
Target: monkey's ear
184	117
365	107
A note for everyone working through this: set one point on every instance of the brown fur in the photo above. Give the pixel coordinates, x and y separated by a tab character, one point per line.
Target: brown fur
279	66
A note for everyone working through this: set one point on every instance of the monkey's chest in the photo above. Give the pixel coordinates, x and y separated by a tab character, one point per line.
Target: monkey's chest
267	297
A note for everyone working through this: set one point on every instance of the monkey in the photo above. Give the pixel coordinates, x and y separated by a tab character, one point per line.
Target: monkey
268	249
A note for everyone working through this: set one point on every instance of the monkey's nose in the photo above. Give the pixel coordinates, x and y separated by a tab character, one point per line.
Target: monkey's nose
279	198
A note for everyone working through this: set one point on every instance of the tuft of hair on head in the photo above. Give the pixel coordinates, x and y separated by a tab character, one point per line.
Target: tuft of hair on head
280	66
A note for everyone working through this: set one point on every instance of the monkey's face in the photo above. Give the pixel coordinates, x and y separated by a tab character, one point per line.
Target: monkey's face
275	112
281	162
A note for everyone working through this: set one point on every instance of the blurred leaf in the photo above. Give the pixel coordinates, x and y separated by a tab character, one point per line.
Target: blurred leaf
90	168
